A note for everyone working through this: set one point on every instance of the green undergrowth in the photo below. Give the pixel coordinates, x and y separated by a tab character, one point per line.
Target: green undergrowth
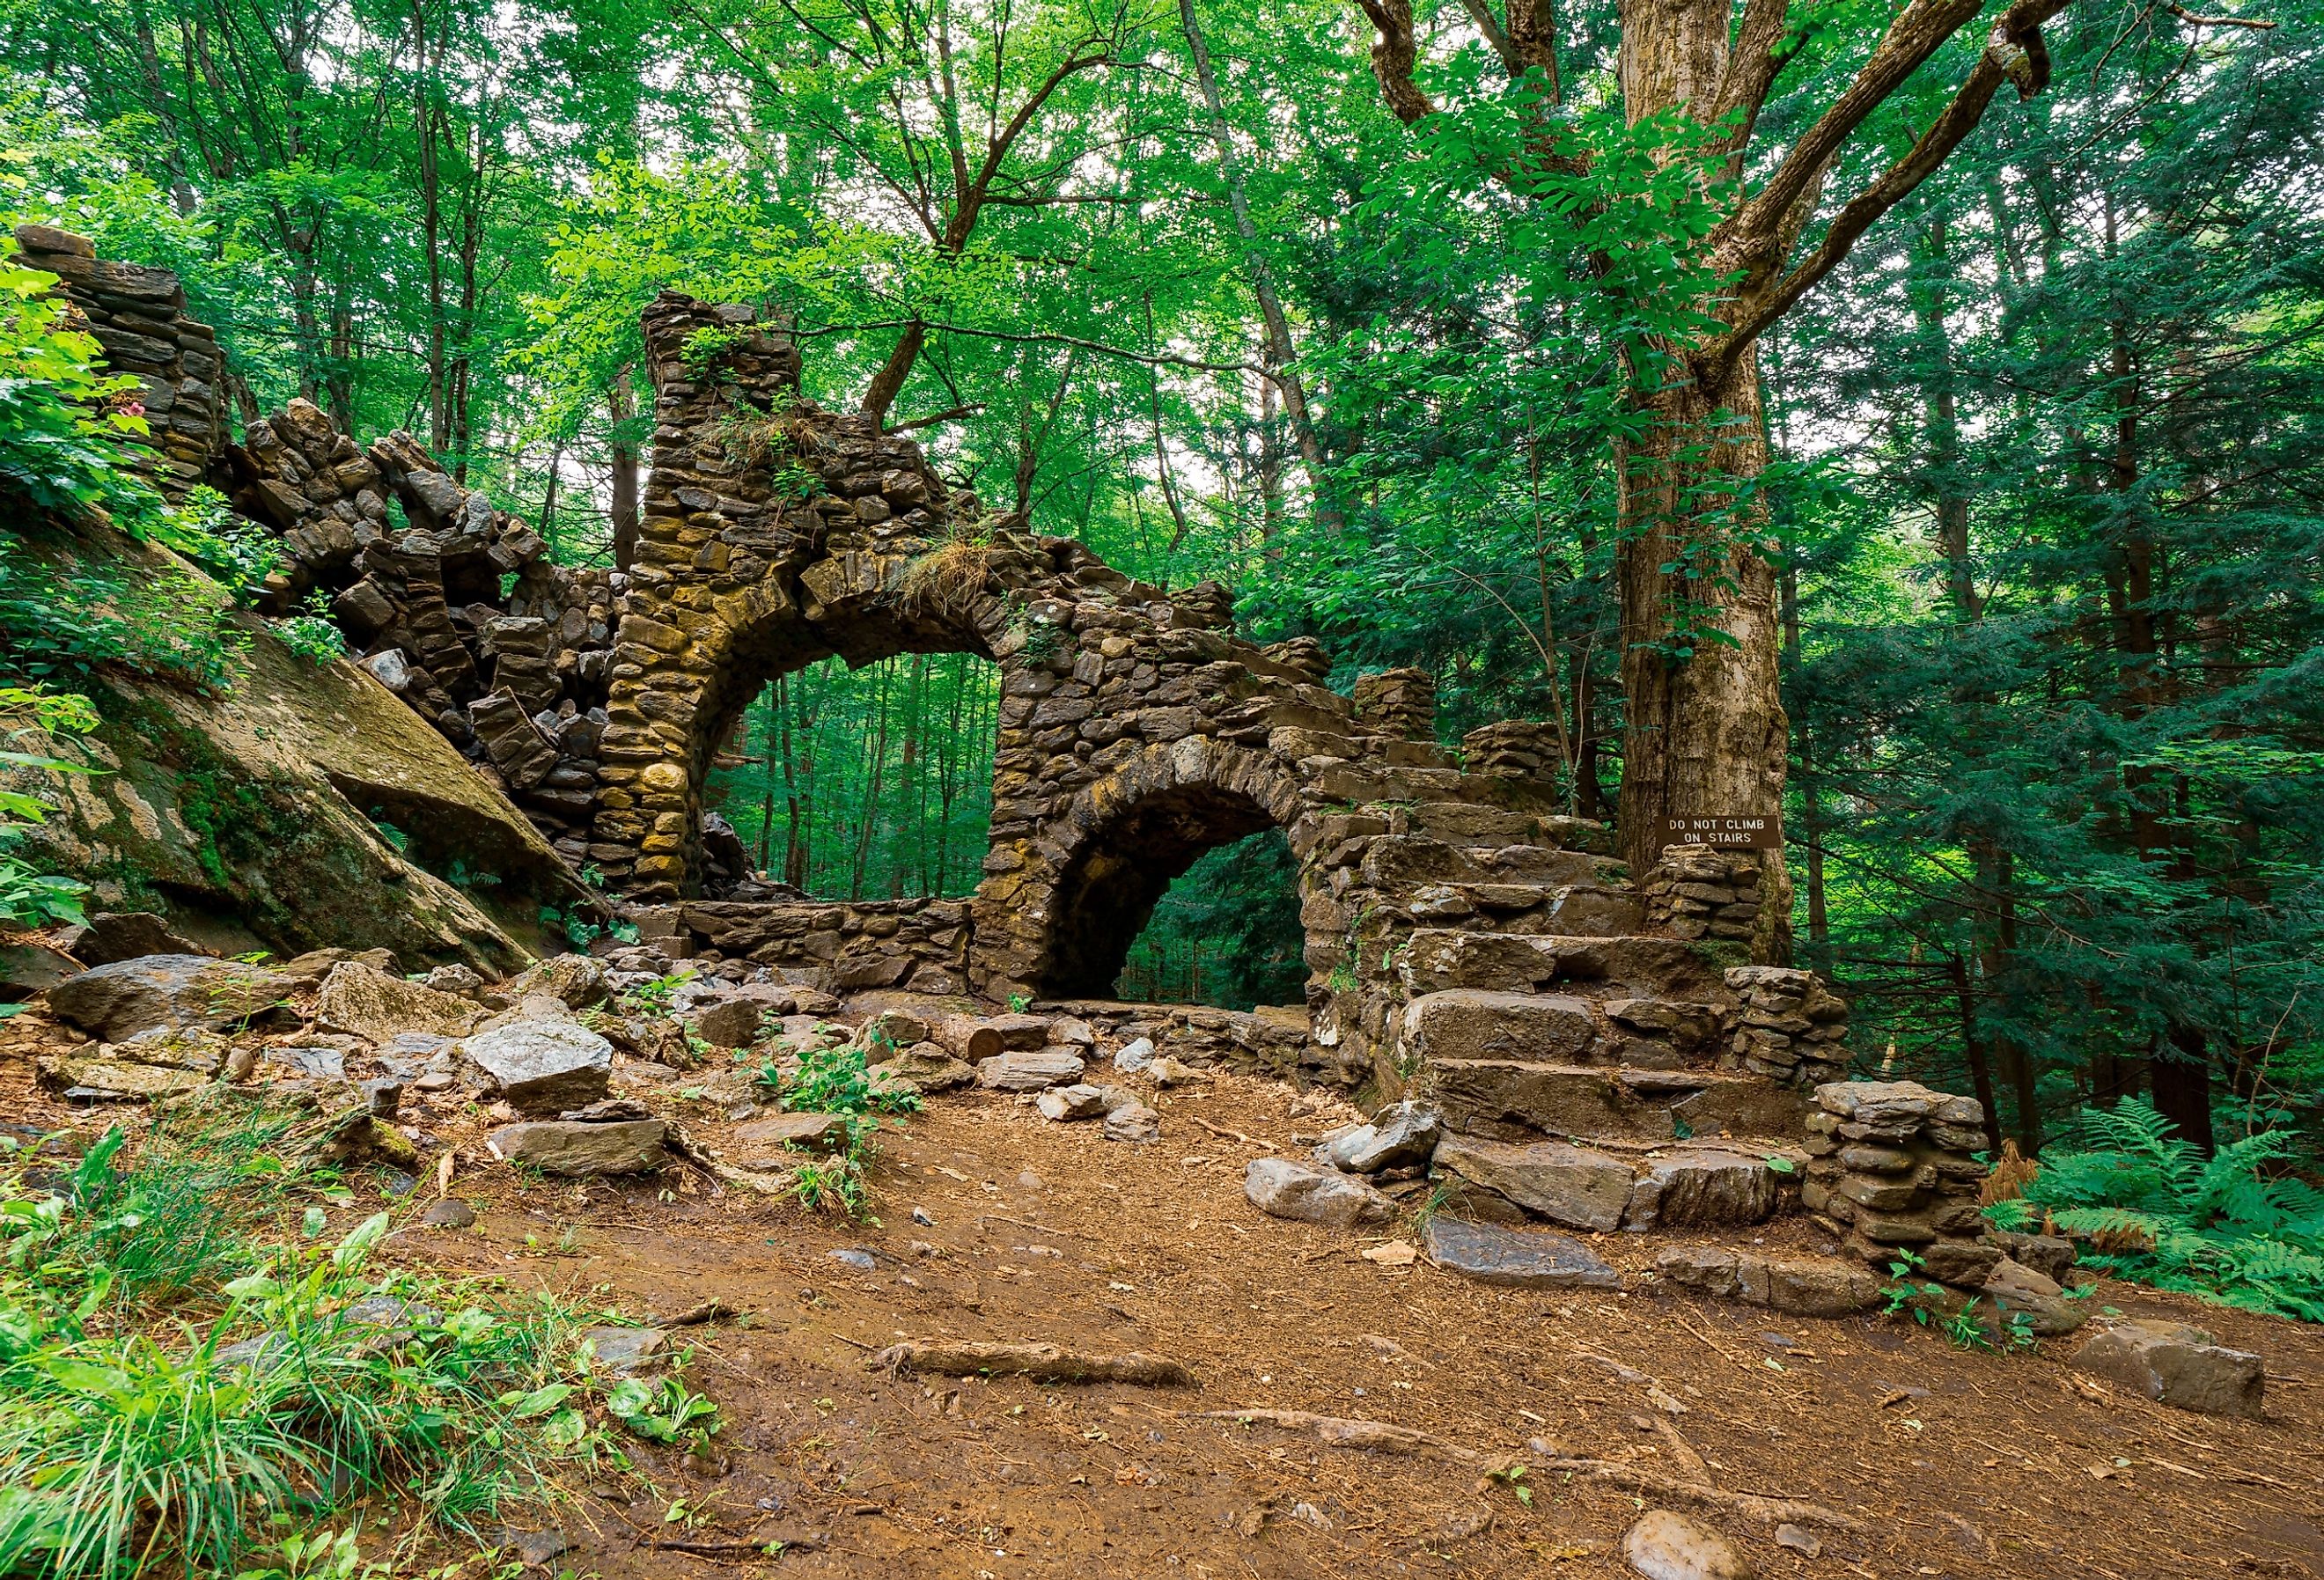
839	1080
194	1375
2239	1227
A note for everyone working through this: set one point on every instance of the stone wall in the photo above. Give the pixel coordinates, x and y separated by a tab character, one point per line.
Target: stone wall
457	611
138	315
1512	749
918	945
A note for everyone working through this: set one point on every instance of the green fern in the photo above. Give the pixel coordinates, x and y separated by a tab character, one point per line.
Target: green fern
2235	1228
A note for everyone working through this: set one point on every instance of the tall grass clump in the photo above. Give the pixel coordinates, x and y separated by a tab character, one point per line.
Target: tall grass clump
2238	1227
174	1392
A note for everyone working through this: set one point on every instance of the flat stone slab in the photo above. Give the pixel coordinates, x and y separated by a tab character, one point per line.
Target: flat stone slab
624	1352
580	1150
1282	1189
1564	1184
1030	1069
2177	1365
542	1067
363	1001
1514	1258
108	1080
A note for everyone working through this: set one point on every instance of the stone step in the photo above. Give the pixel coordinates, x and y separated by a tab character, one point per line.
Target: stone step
1586	1188
1461	1022
1530	907
1519	1099
1435	958
1399	863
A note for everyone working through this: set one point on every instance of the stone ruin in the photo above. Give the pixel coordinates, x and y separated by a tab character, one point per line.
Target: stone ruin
1468	943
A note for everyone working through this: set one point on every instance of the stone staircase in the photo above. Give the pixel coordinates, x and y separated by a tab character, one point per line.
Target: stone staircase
1599	1052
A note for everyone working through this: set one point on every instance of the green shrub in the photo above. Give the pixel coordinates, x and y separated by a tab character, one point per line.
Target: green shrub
171	1381
2235	1228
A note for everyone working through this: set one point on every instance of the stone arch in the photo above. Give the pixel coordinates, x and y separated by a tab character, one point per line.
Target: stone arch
1060	918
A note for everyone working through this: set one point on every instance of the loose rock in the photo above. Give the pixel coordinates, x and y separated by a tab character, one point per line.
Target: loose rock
1515	1258
1079	1100
174	992
1030	1070
540	1067
1134	1055
1132	1122
1663	1546
1284	1189
361	1001
2177	1365
583	1151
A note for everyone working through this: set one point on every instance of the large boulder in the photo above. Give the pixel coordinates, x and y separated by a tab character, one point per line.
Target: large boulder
360	999
2178	1365
580	1150
1565	1184
178	993
542	1067
305	805
1282	1189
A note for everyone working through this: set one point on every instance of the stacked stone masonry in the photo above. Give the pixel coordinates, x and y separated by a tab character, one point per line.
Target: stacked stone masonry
138	316
1890	1169
1467	940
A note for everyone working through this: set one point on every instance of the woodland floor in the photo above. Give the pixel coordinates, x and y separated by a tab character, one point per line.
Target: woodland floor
1959	1463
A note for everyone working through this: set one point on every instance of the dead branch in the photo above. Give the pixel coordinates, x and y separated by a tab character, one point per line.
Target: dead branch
1231	1135
2192	19
1041	1362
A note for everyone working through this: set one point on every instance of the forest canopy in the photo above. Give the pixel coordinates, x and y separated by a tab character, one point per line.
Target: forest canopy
1922	418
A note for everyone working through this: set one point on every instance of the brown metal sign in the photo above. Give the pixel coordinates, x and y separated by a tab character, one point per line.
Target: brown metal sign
1755	831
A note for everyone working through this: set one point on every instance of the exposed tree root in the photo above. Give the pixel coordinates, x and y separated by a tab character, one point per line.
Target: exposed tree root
1340	1432
1041	1362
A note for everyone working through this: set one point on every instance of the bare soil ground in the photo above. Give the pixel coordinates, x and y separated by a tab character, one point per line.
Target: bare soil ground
1959	1463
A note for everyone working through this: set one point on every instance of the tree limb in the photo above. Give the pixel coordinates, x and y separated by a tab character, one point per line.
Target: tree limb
2012	52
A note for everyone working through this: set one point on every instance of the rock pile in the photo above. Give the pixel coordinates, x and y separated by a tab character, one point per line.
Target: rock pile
1512	749
1890	1169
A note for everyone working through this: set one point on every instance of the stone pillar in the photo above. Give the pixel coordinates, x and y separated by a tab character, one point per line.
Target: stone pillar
1512	749
1701	891
1792	1029
1889	1168
1400	704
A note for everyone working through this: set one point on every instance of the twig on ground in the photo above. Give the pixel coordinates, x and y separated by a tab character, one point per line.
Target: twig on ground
695	1315
1223	1133
1042	1363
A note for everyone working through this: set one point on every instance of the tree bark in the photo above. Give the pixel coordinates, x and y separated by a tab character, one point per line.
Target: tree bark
623	471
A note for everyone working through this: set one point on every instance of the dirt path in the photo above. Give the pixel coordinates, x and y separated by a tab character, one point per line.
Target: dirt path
1959	1463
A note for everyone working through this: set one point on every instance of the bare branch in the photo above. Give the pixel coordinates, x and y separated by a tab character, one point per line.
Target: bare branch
2013	53
2192	19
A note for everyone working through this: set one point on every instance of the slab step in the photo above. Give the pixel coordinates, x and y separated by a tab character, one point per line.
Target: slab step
1437	958
1516	1099
1645	1034
1583	1187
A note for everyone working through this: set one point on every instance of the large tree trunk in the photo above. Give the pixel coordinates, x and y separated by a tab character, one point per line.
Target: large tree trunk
1704	733
624	472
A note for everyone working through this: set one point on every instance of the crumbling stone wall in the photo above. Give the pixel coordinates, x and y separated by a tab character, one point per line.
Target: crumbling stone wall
918	945
138	315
